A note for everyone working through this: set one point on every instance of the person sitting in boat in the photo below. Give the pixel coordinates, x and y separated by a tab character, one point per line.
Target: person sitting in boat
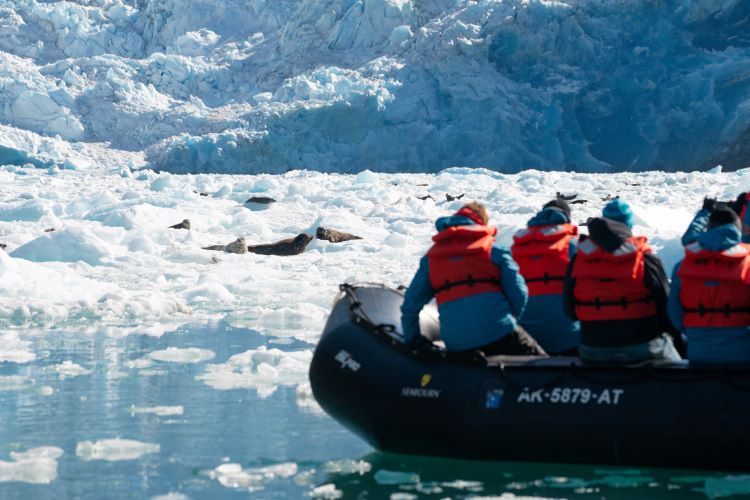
618	290
700	221
543	251
710	298
477	286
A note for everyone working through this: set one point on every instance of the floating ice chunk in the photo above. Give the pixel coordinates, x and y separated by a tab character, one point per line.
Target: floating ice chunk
328	491
15	382
68	369
35	466
233	475
262	369
182	355
347	466
159	411
113	450
171	496
389	477
46	390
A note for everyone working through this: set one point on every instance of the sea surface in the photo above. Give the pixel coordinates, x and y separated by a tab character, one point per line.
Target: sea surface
106	415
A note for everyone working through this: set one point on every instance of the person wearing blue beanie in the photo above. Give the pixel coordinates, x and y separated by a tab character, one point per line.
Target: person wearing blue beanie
620	211
617	288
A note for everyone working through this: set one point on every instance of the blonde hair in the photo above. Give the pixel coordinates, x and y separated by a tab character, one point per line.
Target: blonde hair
478	209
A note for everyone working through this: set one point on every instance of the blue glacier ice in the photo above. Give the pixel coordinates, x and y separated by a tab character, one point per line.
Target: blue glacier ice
386	85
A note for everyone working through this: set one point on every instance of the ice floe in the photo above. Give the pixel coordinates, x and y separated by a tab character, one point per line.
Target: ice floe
113	450
261	369
35	466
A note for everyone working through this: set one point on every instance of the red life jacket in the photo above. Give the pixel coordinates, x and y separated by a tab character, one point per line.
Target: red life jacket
715	286
742	213
460	263
609	286
542	253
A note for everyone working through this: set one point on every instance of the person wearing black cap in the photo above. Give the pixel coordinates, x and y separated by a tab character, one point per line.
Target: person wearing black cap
710	299
543	250
700	221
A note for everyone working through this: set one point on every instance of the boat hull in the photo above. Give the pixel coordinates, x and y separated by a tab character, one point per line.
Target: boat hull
523	409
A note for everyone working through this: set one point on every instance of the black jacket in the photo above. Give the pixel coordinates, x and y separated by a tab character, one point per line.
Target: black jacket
609	235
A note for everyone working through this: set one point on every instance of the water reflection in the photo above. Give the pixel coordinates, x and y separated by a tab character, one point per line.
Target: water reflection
403	476
215	411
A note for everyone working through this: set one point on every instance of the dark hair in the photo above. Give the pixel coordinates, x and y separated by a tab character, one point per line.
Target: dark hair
560	205
722	214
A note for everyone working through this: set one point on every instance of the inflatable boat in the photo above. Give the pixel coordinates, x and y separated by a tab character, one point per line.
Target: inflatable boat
426	401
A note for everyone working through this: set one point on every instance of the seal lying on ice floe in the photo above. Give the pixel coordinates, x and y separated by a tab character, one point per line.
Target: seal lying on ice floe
185	224
334	236
237	246
289	246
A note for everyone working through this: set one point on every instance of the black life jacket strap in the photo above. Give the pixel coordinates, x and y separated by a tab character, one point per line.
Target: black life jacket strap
702	310
546	279
623	302
467	282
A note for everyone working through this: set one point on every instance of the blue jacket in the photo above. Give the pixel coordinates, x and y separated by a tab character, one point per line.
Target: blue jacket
710	345
544	317
473	321
700	223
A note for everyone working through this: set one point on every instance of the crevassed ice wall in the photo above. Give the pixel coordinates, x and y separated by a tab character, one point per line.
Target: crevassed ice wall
390	85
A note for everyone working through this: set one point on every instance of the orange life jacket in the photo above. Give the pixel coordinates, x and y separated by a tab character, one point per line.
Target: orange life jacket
609	286
460	263
715	286
542	254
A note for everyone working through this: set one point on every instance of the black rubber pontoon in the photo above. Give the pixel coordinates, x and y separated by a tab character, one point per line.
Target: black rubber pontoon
428	402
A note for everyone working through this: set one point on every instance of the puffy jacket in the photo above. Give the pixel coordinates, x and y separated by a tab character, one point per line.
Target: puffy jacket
637	276
544	317
474	320
723	341
460	263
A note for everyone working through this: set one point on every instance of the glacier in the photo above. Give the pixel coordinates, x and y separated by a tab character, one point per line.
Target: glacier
268	86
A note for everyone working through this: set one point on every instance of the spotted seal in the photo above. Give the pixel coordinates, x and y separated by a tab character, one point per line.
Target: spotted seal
334	236
237	246
289	246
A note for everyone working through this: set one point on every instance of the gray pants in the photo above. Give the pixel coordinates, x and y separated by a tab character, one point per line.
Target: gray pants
660	348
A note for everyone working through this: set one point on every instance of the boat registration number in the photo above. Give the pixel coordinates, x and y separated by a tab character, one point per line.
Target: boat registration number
572	395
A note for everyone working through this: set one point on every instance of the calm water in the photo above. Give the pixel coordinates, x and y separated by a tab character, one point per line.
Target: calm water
234	443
